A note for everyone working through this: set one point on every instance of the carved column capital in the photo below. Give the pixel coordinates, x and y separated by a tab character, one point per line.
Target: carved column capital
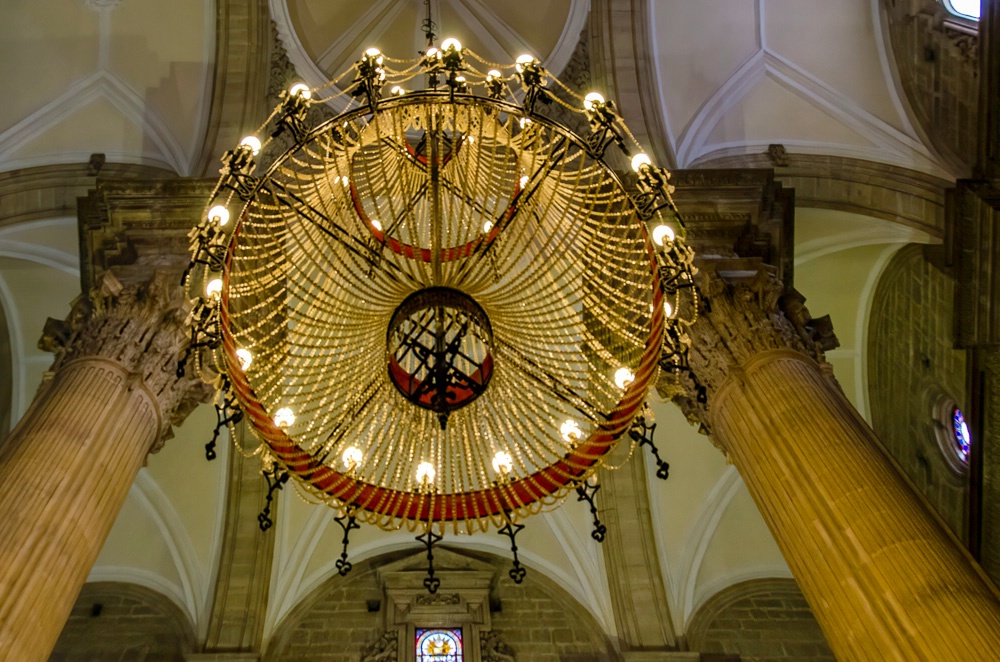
140	328
749	312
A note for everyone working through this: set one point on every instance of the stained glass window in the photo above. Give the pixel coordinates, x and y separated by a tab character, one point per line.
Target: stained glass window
439	645
962	437
964	8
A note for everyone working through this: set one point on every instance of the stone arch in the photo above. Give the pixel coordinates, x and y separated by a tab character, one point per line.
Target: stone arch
911	353
118	621
759	620
537	619
937	66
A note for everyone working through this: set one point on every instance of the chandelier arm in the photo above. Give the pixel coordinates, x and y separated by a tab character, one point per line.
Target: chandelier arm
585	492
539	374
520	200
510	529
348	522
363	254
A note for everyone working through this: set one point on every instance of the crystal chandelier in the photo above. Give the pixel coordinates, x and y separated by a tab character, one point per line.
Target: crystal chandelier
440	309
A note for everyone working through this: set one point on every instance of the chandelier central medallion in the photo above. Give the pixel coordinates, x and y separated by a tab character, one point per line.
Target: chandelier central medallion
440	306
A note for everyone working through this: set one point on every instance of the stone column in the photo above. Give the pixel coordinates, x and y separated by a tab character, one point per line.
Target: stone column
67	466
883	575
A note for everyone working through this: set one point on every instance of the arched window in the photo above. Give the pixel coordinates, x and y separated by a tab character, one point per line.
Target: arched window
963	8
439	645
961	430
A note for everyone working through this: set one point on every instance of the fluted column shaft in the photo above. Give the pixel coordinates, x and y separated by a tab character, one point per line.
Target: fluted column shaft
64	475
884	577
66	469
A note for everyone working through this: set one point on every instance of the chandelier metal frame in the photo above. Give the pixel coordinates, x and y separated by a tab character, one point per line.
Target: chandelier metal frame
240	282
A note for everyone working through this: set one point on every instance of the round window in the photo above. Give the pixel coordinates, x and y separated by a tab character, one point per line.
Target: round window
961	438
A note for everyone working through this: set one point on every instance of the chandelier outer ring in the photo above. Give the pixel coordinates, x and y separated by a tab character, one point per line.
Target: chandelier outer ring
386	506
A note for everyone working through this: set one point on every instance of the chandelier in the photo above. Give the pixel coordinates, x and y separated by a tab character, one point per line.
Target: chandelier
440	308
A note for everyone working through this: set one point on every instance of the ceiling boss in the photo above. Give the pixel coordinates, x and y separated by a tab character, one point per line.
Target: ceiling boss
439	309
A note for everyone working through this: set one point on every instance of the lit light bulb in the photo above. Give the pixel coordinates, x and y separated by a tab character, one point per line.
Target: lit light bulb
523	60
487	226
502	463
345	180
432	52
571	431
451	43
218	215
373	52
214	288
352	457
623	377
284	418
524	181
245	358
300	90
252	143
593	99
397	91
426	473
661	233
524	121
640	160
377	225
668	309
492	75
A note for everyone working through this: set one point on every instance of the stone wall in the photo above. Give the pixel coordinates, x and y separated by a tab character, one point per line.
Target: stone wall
113	621
912	364
537	619
937	62
762	620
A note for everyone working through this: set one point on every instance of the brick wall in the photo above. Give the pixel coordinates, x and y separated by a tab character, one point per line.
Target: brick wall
760	620
114	622
911	362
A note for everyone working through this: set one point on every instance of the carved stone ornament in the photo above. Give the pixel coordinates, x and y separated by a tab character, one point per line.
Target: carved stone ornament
382	649
140	327
750	313
494	649
436	599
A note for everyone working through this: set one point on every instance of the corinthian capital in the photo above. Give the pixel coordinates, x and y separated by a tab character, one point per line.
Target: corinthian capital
749	311
140	328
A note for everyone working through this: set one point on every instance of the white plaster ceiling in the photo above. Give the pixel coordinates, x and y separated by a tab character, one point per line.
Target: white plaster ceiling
126	79
324	38
738	75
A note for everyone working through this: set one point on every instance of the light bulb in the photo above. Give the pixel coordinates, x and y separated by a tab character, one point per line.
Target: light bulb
524	181
432	52
352	457
662	232
244	357
492	75
377	225
345	180
252	143
593	99
451	43
524	121
668	309
284	417
570	431
640	160
214	288
502	463
373	52
487	226
219	215
426	473
623	377
300	90
397	91
523	60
